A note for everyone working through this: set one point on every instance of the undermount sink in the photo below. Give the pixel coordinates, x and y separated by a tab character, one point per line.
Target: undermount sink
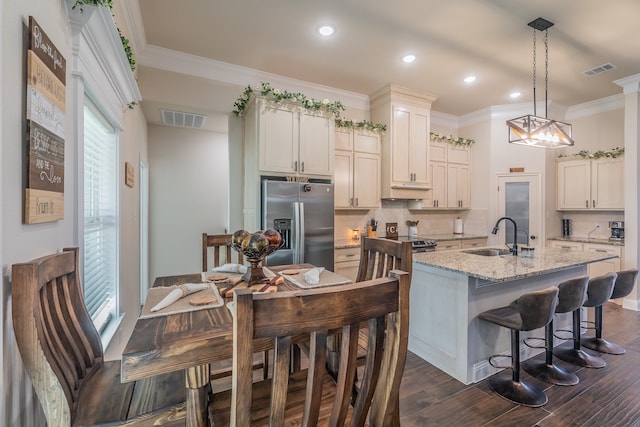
488	251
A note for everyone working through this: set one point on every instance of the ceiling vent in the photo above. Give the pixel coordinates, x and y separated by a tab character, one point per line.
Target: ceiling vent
599	69
182	119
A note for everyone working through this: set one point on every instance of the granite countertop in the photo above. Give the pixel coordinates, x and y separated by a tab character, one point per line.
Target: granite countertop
346	244
451	236
508	267
579	239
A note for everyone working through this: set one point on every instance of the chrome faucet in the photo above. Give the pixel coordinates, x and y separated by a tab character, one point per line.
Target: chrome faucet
514	249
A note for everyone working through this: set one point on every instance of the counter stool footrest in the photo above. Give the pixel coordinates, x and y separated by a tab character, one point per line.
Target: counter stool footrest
496	356
527	341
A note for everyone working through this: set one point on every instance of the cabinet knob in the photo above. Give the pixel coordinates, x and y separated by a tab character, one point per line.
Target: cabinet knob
302	167
586	204
532	237
594	203
356	201
295	166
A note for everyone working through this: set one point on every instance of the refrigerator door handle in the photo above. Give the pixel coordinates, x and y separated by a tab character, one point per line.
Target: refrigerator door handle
296	233
301	227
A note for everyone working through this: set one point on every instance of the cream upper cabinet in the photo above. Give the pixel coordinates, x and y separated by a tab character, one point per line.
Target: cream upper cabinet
405	144
357	170
293	140
450	175
590	184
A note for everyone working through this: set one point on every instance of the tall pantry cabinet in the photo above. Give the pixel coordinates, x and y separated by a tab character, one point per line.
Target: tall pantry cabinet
405	144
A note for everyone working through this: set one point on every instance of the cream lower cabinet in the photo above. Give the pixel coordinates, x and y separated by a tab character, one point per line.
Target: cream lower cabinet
594	269
346	262
590	184
448	245
357	170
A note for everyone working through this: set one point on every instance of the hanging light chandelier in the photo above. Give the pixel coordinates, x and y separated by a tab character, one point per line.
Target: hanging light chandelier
532	130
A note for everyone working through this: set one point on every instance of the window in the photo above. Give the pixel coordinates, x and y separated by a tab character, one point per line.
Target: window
100	218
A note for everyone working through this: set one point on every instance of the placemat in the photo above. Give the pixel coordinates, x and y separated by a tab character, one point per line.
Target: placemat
156	295
327	278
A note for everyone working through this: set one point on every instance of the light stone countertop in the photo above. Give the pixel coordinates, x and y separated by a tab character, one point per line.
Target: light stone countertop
508	267
444	237
346	244
587	240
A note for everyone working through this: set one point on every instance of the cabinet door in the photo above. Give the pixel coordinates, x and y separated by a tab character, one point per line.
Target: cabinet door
607	184
278	136
438	151
574	184
400	153
570	246
419	151
366	180
449	245
343	184
458	154
317	144
344	139
366	142
458	183
596	269
439	184
473	243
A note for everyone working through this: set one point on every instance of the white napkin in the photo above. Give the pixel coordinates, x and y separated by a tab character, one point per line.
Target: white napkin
312	276
231	268
179	292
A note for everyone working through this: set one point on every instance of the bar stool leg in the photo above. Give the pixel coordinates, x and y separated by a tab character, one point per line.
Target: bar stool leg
598	343
576	355
512	388
547	371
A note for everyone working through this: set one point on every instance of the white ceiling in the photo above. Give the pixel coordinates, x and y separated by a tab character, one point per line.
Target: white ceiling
197	55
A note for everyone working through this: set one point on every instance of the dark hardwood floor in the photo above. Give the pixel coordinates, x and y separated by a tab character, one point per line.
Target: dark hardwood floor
604	397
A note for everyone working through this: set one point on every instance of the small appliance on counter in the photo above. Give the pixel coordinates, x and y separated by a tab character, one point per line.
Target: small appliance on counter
567	227
617	231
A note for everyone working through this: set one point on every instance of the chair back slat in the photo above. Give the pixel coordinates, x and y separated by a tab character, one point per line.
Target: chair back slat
58	342
379	256
220	245
383	303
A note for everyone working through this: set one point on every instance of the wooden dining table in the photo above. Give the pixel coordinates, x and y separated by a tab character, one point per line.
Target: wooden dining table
187	341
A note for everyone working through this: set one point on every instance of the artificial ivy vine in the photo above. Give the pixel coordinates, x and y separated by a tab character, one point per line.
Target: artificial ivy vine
450	139
586	154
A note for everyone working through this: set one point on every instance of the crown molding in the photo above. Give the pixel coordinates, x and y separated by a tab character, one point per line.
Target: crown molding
613	102
133	19
630	84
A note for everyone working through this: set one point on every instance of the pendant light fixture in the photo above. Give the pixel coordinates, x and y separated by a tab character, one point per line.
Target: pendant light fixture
532	130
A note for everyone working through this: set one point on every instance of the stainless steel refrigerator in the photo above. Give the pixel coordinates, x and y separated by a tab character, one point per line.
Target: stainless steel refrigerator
303	214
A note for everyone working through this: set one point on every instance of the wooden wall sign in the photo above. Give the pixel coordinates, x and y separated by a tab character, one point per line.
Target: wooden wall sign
128	174
46	101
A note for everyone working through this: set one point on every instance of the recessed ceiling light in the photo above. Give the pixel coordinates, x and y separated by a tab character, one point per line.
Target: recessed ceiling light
515	94
470	79
408	58
326	30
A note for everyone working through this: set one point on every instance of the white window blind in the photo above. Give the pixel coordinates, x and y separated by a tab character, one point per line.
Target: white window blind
100	218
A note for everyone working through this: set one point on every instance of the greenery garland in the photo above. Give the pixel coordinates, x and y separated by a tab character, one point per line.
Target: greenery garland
125	41
275	95
364	124
585	154
450	139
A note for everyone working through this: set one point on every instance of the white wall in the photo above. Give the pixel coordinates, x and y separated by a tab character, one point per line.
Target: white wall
24	242
189	195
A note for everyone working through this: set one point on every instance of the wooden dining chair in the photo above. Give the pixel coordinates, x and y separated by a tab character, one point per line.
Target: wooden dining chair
222	252
63	355
310	396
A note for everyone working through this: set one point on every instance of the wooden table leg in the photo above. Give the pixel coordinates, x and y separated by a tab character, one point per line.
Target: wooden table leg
197	378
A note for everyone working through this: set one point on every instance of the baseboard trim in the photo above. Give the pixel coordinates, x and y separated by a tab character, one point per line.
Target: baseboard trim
631	304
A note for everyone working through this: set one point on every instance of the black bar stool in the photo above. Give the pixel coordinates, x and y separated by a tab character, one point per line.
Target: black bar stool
598	292
572	294
623	286
531	311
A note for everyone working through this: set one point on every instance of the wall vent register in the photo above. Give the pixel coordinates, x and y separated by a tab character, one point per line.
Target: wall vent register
182	119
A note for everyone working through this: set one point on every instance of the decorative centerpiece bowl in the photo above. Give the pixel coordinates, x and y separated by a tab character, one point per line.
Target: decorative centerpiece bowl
255	247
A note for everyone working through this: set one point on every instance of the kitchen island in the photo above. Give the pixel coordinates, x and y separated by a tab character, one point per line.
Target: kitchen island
449	289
